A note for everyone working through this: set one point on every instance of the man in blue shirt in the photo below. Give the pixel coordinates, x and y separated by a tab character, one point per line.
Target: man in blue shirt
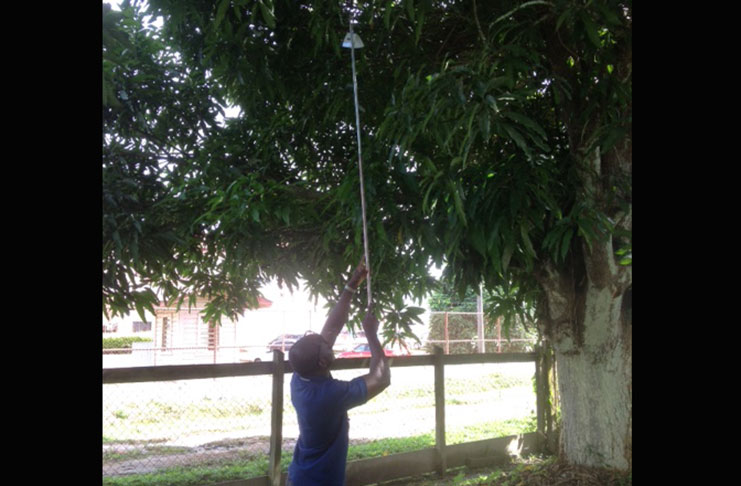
322	402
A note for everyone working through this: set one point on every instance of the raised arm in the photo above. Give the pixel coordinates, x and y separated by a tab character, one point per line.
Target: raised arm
379	375
337	317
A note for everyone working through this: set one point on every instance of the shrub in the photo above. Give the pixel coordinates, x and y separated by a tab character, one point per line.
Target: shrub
123	342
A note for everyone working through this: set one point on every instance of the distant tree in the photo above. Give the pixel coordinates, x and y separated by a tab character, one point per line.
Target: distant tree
446	299
465	326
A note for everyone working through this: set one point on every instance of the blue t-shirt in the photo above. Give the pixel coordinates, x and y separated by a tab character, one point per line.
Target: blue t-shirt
321	404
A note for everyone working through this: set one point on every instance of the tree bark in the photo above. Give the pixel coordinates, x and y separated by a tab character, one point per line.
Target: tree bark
587	318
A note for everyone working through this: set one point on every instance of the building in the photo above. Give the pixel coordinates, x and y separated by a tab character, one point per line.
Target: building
181	336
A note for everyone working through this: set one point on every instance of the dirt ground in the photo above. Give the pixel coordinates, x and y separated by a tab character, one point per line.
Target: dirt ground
524	471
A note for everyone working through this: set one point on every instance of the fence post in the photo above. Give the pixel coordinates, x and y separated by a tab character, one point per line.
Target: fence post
276	419
440	410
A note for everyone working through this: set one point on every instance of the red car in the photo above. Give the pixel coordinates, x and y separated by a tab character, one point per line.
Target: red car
362	351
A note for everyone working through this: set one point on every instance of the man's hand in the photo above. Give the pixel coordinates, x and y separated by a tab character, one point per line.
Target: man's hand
358	275
370	323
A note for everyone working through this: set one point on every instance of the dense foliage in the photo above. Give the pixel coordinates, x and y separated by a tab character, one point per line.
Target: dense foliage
481	124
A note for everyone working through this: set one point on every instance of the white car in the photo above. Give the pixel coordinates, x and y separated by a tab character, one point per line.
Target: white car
347	342
255	354
110	327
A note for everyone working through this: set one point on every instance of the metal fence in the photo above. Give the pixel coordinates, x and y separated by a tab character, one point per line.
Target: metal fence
151	426
454	332
145	354
215	423
474	332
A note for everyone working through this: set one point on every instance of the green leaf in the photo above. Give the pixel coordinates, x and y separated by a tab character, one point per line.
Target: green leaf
237	12
459	93
609	16
459	203
591	29
517	138
267	15
418	28
526	240
221	11
381	231
425	206
485	125
565	242
478	240
492	102
507	256
567	13
409	4
526	121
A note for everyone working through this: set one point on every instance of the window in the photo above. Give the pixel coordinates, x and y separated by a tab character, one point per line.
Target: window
213	337
139	326
165	332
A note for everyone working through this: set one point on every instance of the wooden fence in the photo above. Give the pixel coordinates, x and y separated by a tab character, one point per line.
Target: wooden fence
395	466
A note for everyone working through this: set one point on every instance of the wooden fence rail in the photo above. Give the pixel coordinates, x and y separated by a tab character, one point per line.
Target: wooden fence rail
369	471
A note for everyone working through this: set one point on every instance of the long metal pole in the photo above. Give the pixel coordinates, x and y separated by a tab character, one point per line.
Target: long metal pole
360	163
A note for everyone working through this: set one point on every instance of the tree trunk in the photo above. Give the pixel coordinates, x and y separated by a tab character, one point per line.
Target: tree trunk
595	383
587	318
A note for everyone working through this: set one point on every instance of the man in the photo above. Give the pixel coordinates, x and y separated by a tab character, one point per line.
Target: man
322	402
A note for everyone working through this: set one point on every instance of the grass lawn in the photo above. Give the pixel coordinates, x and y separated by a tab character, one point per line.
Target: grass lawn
534	470
258	465
171	433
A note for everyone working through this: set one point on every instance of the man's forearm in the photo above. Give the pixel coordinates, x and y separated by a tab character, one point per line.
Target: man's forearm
379	367
338	315
337	318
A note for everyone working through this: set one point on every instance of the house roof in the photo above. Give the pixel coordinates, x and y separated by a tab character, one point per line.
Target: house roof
263	303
